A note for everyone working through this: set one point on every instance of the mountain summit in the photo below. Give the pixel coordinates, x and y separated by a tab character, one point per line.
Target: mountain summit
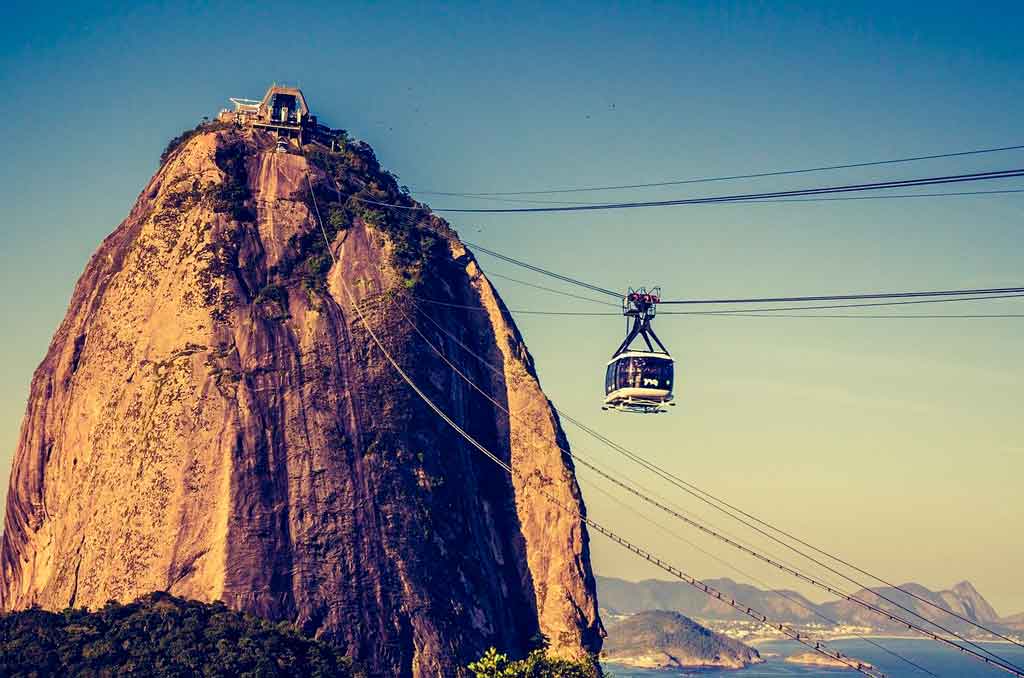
213	419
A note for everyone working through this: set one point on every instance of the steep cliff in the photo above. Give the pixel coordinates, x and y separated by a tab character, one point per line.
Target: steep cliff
212	419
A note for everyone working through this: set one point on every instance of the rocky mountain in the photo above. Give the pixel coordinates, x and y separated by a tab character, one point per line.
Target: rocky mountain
625	597
660	639
962	599
213	419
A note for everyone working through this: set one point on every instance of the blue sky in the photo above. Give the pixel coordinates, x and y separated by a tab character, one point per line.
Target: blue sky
895	442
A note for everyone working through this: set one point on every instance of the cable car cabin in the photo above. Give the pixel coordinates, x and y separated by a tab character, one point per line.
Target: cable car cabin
639	381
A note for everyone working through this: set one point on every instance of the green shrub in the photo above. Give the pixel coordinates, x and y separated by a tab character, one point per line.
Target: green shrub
270	293
160	636
175	143
338	218
536	665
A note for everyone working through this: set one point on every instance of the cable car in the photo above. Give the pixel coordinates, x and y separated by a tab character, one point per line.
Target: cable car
640	381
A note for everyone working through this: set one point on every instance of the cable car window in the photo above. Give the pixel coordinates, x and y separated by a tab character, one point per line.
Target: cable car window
643	373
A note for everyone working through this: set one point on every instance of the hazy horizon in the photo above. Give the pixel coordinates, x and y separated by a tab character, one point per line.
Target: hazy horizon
895	443
815	595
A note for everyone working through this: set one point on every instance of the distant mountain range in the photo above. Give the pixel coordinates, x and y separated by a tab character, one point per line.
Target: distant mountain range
619	596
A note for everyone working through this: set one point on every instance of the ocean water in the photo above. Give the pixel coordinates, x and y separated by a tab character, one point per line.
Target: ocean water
940	660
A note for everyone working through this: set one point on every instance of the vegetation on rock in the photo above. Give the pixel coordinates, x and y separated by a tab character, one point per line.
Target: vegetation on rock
160	635
231	195
536	665
356	182
175	143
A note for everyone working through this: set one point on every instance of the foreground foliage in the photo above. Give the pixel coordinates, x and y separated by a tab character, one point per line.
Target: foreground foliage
536	665
160	635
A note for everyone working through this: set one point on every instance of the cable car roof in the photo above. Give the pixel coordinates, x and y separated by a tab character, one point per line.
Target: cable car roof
640	354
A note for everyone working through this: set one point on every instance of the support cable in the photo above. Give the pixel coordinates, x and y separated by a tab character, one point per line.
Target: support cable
768	201
851	297
713	501
769	312
552	290
753	312
740	197
576	457
758	300
792	599
643	553
543	271
757	175
996	660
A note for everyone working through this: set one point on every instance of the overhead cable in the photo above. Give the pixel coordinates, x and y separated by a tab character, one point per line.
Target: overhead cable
647	555
757	175
788	597
577	458
849	297
550	289
543	271
888	196
752	300
769	312
747	610
742	197
993	658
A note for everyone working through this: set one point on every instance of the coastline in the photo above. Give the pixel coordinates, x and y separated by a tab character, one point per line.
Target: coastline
873	636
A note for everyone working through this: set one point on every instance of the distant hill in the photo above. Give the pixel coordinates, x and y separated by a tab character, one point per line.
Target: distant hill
664	639
160	635
625	597
1014	621
619	596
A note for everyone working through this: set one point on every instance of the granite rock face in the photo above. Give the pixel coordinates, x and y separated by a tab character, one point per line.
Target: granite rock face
212	419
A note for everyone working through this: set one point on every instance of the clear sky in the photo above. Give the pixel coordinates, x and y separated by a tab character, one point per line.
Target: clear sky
897	443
